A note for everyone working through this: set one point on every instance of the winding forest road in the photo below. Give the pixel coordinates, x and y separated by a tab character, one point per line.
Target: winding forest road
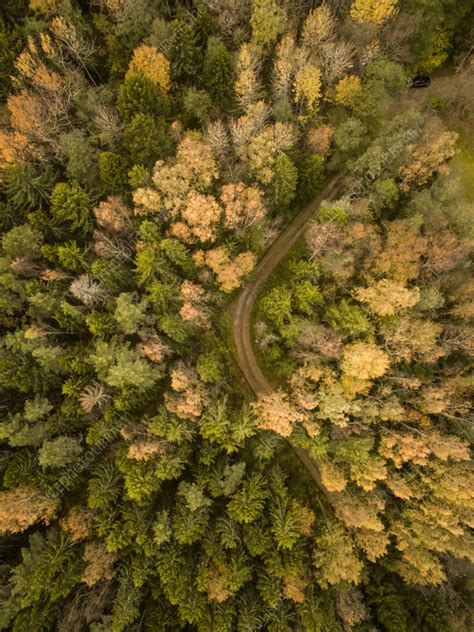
242	323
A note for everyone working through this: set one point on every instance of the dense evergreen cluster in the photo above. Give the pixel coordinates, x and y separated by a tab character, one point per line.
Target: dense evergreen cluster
150	152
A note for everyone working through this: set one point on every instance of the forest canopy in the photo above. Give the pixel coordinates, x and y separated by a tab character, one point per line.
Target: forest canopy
152	152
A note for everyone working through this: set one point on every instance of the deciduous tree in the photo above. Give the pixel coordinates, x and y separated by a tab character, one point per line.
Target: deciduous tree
335	557
152	64
386	297
275	412
99	563
319	27
373	10
247	84
308	86
268	21
426	160
21	507
243	206
364	361
348	89
229	272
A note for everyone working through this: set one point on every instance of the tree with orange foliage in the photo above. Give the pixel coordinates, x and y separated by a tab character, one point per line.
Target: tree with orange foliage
189	394
445	250
145	449
21	507
275	412
193	170
229	272
243	206
202	214
41	109
320	138
154	349
194	303
416	448
113	215
78	522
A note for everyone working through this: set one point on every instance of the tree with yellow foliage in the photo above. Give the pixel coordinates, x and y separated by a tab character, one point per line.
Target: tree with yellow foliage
386	297
348	89
335	557
308	86
284	67
374	11
152	64
332	477
407	338
268	21
364	361
247	126
264	148
428	159
189	395
319	27
247	85
403	251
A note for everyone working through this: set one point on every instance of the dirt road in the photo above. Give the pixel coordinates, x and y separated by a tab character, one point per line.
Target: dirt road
242	330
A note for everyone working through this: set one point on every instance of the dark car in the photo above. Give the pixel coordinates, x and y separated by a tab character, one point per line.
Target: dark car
421	82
